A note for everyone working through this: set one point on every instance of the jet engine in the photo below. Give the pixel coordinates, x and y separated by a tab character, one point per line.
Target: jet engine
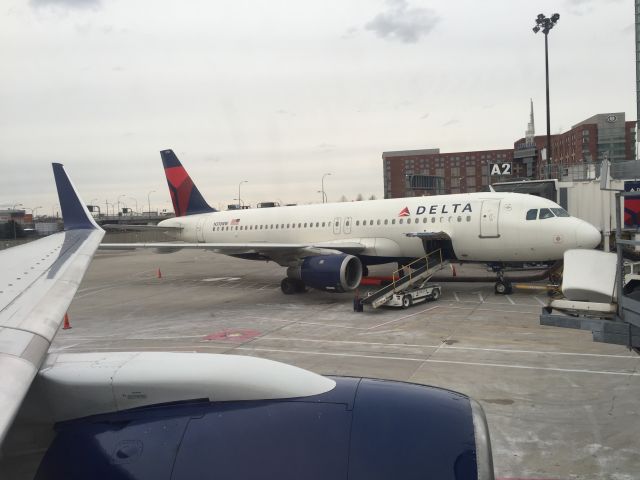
333	273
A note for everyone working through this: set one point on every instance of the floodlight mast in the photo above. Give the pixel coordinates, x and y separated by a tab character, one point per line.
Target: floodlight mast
546	24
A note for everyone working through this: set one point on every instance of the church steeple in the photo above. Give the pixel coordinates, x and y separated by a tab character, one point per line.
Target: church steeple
531	129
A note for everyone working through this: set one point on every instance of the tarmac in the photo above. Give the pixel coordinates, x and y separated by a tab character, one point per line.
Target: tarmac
559	406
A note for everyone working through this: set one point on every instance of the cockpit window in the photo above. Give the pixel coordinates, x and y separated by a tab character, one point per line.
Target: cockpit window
560	212
532	214
545	213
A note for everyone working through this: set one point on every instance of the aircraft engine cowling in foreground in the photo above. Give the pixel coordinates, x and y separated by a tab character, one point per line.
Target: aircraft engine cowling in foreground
350	428
333	273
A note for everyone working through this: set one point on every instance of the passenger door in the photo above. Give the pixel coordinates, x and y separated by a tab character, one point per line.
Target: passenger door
336	225
200	229
347	225
489	219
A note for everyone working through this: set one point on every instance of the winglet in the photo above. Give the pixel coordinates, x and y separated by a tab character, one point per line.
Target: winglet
74	212
187	199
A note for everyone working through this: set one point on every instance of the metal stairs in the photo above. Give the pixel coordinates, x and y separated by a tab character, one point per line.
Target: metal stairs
419	270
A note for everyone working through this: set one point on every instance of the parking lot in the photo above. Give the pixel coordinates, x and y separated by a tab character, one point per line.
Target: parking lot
559	406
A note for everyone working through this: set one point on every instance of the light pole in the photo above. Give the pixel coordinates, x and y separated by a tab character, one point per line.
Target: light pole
34	210
136	204
107	204
240	201
321	192
149	202
121	195
13	220
324	195
546	24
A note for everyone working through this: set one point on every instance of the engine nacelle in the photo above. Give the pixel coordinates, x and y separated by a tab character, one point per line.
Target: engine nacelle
334	273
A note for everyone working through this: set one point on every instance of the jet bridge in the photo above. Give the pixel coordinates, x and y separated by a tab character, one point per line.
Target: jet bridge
417	271
617	321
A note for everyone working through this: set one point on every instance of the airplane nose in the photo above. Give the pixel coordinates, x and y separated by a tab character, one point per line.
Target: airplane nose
587	236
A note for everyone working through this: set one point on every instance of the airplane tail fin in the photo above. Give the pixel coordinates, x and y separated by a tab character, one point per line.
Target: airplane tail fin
74	212
187	199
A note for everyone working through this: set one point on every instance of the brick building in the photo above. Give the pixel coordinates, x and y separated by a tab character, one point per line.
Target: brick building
411	173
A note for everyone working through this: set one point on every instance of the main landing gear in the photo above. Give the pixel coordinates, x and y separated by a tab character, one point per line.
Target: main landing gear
290	286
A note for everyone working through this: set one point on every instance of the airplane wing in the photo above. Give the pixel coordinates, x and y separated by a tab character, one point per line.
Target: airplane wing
264	249
37	283
139	228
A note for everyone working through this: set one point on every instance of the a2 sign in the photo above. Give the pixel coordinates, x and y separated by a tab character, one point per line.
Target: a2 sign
499	169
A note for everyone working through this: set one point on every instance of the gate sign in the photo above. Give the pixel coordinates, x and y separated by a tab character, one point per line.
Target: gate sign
499	169
632	205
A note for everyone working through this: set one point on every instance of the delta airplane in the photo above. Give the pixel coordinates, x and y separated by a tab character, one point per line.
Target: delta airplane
330	246
187	416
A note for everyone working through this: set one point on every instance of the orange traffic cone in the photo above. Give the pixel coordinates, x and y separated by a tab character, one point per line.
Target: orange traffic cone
66	325
159	273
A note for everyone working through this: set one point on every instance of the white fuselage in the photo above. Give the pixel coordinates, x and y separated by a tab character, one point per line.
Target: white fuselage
486	227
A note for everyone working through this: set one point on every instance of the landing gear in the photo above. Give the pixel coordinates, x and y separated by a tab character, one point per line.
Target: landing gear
290	286
503	287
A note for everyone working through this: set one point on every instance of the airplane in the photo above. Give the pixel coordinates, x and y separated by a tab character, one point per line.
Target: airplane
183	416
330	246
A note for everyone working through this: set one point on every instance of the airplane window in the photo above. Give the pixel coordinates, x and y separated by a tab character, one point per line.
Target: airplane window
357	223
468	218
323	223
433	219
271	226
449	219
378	222
408	220
288	225
441	219
236	227
424	220
282	226
276	226
386	221
532	214
400	221
317	224
459	219
393	221
370	222
560	212
545	213
299	225
305	224
346	224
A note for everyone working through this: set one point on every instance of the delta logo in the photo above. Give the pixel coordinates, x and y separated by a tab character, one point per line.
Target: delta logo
404	212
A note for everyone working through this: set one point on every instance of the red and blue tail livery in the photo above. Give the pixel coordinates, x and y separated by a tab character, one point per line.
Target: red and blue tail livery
187	199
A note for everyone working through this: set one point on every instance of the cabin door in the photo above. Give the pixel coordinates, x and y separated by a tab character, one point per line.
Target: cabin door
347	225
489	219
337	225
200	229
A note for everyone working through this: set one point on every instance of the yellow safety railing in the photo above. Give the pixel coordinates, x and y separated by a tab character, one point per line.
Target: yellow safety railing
435	254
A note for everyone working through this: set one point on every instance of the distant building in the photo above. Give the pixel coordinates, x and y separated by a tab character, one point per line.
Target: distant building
411	173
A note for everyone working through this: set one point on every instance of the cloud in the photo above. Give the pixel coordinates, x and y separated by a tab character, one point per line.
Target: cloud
67	4
453	121
402	22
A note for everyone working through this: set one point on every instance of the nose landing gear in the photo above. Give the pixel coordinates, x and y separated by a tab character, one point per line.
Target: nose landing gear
502	286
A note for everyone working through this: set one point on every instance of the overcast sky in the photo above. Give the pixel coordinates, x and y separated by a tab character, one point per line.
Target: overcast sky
278	93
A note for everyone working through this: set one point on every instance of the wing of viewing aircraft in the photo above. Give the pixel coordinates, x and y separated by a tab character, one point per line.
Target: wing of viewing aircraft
37	283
